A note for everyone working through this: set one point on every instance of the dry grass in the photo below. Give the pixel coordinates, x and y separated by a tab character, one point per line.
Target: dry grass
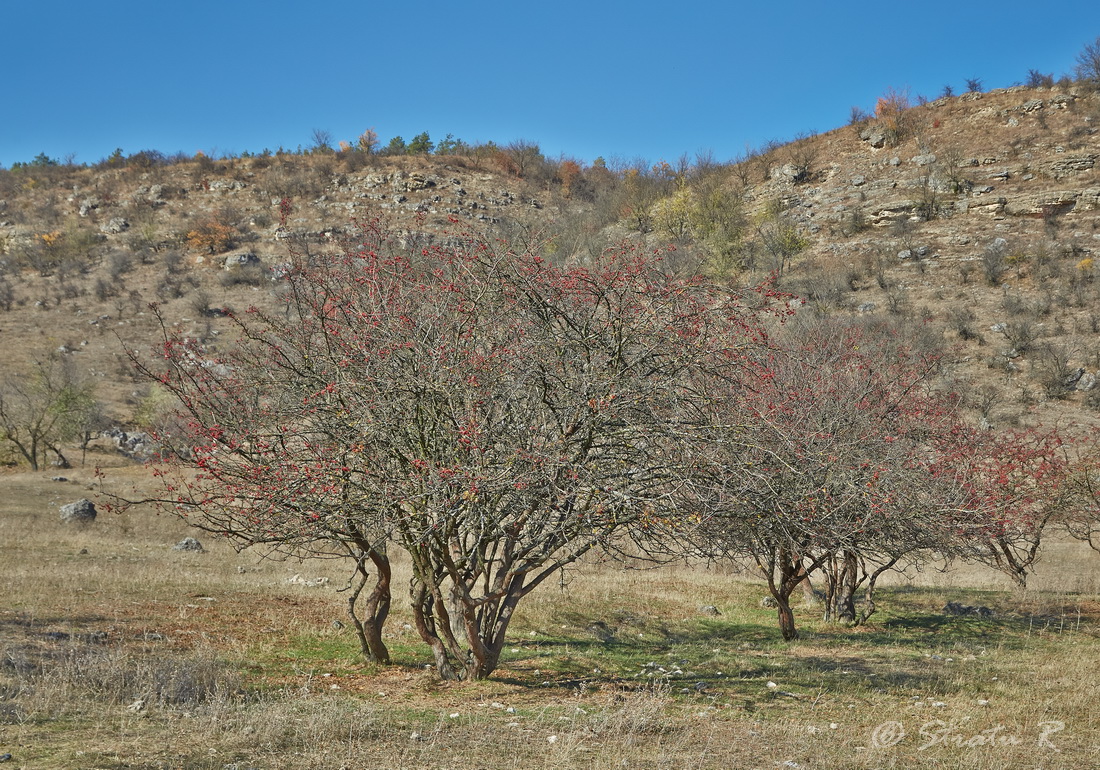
134	655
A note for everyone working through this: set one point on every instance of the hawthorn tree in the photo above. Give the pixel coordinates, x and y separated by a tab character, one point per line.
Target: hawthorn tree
1019	479
1081	492
840	458
495	416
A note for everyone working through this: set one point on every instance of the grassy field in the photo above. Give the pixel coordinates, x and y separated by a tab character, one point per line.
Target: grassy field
118	652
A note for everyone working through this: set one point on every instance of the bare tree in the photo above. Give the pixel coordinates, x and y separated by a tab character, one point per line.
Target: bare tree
44	406
322	141
494	416
1087	68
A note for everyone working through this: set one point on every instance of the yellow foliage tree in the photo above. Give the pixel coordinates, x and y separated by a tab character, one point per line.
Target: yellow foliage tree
212	236
676	215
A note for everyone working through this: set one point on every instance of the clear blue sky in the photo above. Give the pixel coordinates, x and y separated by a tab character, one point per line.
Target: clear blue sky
640	80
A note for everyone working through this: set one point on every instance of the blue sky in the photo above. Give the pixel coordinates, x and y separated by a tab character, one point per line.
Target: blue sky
639	80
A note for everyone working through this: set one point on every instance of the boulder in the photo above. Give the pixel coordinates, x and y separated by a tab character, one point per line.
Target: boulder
238	261
138	444
88	205
114	226
873	135
81	512
788	172
188	544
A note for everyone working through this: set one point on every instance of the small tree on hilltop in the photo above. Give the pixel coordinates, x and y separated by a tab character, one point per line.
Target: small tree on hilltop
421	144
891	112
367	141
1087	68
494	416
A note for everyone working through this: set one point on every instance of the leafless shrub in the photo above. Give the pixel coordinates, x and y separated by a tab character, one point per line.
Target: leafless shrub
200	302
1022	334
1037	79
7	294
962	321
897	300
994	261
104	289
173	285
1013	304
118	263
172	261
985	399
1051	367
246	275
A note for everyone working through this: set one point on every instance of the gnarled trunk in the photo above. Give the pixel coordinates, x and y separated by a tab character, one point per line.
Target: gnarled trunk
785	572
376	606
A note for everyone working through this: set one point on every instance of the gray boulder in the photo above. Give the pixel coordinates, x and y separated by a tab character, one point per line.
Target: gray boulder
88	205
138	444
114	226
788	172
957	609
188	544
238	261
81	512
873	135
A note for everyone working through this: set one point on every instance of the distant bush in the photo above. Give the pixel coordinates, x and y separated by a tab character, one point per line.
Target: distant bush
214	234
1036	79
890	111
396	146
1087	68
146	159
995	261
421	144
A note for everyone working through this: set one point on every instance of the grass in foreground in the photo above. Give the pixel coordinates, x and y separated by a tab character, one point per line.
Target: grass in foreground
132	655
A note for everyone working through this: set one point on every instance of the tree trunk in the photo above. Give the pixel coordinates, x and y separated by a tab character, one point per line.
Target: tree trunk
844	602
423	604
791	573
786	618
376	606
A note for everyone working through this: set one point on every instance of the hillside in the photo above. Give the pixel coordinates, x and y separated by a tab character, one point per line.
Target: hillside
411	497
976	217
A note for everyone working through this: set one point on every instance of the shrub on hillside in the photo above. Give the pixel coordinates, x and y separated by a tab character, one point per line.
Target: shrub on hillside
1087	68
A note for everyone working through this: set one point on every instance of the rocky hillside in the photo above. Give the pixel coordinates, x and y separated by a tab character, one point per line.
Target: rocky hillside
978	215
975	218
